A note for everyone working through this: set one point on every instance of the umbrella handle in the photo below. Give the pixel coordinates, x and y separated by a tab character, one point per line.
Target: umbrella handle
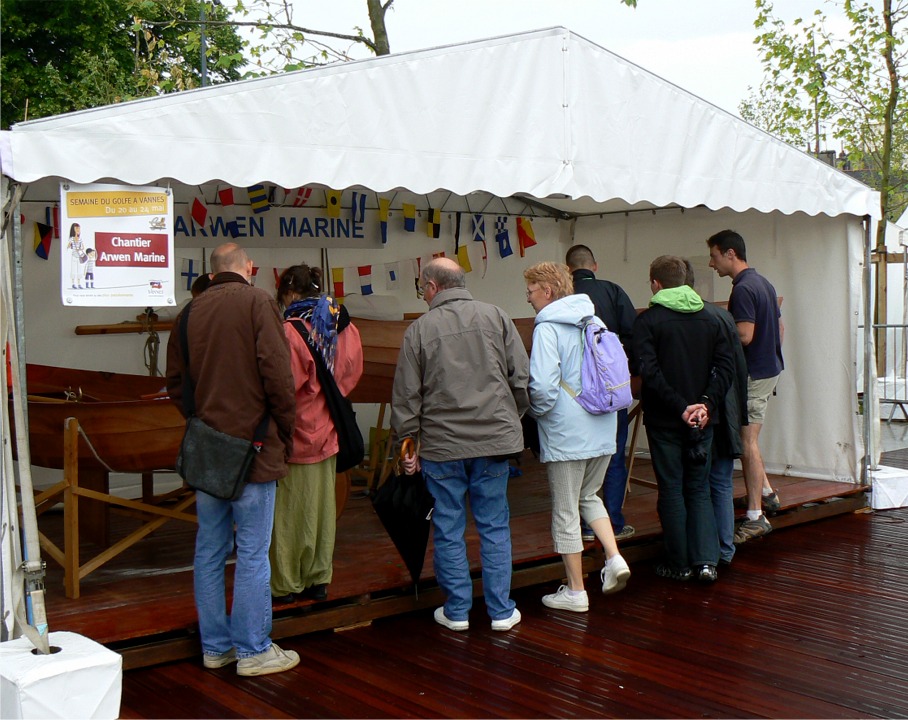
407	448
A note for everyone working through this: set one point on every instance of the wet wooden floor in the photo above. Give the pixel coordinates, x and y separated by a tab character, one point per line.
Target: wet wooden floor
141	603
808	622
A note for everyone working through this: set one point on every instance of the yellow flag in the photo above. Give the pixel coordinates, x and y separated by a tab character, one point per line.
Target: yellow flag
333	203
463	259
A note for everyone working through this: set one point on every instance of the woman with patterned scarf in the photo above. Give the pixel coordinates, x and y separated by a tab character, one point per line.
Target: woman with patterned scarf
302	545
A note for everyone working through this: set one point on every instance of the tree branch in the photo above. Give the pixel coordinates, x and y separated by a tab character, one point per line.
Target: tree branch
272	26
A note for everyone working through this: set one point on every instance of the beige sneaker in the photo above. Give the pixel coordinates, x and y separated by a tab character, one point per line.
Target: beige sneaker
213	662
273	660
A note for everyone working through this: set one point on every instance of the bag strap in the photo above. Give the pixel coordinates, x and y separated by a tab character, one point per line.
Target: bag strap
325	378
258	437
567	388
188	387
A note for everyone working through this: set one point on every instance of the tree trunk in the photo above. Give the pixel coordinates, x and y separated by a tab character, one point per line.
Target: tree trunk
377	20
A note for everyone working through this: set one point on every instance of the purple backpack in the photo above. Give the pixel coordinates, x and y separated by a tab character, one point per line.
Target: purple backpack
605	380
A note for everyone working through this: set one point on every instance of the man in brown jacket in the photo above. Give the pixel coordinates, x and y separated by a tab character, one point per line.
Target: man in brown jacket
239	363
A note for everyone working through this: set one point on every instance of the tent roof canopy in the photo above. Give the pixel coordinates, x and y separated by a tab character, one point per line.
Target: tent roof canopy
547	115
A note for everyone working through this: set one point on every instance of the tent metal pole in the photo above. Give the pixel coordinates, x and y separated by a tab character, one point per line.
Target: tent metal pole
32	624
869	362
18	293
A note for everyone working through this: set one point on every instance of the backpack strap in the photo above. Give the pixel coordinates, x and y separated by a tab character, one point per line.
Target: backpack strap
567	388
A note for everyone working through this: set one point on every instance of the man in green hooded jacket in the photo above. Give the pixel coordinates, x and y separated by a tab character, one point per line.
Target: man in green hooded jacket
687	367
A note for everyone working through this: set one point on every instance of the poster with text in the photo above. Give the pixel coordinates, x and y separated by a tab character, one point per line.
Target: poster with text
116	246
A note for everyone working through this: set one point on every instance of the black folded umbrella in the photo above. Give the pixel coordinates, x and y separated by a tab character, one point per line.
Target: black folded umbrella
404	505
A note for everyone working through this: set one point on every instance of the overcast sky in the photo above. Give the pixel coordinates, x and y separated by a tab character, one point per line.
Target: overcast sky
705	46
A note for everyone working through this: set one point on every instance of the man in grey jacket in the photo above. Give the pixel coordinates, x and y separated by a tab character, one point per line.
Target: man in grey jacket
460	389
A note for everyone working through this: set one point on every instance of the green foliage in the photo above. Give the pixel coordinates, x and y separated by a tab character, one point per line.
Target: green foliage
63	55
854	82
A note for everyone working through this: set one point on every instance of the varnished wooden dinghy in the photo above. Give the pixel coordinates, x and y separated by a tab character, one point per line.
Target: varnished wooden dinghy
130	423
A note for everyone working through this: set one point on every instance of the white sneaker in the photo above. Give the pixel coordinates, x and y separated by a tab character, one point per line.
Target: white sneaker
614	575
508	622
455	625
218	661
560	600
273	660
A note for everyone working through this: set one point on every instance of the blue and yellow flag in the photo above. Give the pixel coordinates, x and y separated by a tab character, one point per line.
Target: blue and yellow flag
384	207
409	217
258	199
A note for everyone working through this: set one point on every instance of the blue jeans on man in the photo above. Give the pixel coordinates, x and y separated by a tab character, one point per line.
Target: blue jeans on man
248	626
722	492
614	486
485	482
684	505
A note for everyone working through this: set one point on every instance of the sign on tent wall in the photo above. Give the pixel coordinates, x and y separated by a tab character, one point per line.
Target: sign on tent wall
117	250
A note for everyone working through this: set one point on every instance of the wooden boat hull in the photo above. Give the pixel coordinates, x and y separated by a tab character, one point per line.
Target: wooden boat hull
126	433
381	345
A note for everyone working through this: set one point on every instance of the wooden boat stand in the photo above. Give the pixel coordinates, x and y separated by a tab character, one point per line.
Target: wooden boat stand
635	416
150	510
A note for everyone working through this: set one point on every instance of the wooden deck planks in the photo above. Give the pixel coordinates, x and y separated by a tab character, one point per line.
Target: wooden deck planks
808	622
146	594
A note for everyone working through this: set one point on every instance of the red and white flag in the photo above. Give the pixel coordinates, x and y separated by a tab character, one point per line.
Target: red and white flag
300	196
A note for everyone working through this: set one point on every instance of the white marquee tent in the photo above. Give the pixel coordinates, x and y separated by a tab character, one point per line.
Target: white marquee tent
626	162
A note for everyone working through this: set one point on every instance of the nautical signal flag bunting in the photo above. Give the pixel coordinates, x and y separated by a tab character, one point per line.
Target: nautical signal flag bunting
258	199
199	212
333	203
433	220
409	211
525	234
43	235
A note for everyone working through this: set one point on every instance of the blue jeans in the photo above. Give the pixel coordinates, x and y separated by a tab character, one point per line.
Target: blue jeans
485	482
722	492
684	506
248	627
615	483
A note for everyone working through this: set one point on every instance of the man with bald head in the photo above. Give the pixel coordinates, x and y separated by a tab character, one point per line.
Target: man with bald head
239	366
460	389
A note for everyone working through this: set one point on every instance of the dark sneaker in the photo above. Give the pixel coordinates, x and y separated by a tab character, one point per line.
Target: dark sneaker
707	574
750	529
316	592
666	571
627	532
770	504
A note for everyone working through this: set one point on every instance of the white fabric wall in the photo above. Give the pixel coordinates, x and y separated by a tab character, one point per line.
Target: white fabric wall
812	427
814	262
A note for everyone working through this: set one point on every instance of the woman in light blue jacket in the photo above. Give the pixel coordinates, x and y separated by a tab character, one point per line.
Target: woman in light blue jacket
574	444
